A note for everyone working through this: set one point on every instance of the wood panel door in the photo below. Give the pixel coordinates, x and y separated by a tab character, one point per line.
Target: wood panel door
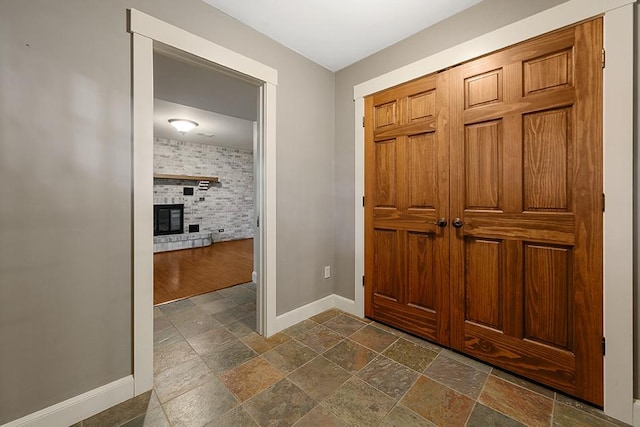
407	192
507	149
526	184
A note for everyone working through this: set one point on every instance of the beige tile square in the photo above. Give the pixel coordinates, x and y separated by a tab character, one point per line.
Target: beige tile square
320	339
350	355
373	338
359	404
282	404
251	378
410	354
260	344
437	403
519	403
320	377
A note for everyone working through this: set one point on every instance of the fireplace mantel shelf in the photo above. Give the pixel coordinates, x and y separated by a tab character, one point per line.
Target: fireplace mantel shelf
211	179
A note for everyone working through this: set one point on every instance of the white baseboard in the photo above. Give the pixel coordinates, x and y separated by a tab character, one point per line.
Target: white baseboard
97	400
79	407
636	413
344	304
316	307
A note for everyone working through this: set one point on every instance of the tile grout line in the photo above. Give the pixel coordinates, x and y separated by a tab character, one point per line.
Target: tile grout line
378	354
397	402
199	356
473	408
319	403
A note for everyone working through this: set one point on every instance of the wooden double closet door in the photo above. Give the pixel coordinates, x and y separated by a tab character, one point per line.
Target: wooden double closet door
483	209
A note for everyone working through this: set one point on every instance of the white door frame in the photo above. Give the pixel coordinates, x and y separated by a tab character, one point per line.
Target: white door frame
618	168
146	30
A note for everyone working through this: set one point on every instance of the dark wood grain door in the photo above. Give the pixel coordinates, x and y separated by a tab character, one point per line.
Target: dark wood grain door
526	184
407	191
507	149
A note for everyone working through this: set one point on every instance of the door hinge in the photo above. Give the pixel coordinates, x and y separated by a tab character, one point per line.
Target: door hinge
363	201
258	222
362	121
603	58
603	202
363	280
604	346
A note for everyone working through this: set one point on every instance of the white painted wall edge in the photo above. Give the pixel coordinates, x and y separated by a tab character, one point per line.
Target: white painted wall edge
618	147
268	210
142	177
148	26
299	314
636	413
79	407
359	209
618	217
551	19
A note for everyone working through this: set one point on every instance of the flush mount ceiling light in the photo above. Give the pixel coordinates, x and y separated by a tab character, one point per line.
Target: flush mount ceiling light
183	126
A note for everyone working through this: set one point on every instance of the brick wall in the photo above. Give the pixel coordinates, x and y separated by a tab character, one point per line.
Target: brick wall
228	205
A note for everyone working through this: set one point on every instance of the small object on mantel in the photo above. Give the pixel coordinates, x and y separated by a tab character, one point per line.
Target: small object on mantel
211	179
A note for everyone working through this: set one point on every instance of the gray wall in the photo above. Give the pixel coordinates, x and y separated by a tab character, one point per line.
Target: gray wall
65	169
473	22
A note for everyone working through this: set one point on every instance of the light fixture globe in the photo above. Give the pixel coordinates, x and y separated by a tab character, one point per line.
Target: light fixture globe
182	125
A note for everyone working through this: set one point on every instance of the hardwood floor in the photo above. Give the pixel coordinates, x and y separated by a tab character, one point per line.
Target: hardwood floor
190	272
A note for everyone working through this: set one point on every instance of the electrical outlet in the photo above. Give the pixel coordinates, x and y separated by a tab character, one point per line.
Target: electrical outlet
327	271
220	230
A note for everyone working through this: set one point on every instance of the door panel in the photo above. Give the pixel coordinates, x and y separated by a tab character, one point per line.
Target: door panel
386	116
407	190
421	106
548	71
421	258
484	283
511	145
483	89
385	265
385	181
526	266
546	145
547	284
420	171
483	157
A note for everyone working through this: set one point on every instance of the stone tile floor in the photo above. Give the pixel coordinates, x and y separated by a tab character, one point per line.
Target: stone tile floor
212	369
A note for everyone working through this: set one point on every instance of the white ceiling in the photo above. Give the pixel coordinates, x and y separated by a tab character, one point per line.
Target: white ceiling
227	131
332	33
186	87
337	33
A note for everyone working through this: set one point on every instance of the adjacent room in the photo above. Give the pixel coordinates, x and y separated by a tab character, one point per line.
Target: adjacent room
204	184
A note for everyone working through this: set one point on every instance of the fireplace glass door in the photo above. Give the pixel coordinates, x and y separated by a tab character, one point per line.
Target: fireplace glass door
168	219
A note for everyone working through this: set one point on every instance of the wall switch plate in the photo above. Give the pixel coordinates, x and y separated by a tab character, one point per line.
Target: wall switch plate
327	271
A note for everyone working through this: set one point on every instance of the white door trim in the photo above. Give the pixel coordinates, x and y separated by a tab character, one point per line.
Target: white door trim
146	30
618	166
618	218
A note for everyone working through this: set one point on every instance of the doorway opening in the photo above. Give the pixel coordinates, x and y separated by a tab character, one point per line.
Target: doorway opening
149	32
209	171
